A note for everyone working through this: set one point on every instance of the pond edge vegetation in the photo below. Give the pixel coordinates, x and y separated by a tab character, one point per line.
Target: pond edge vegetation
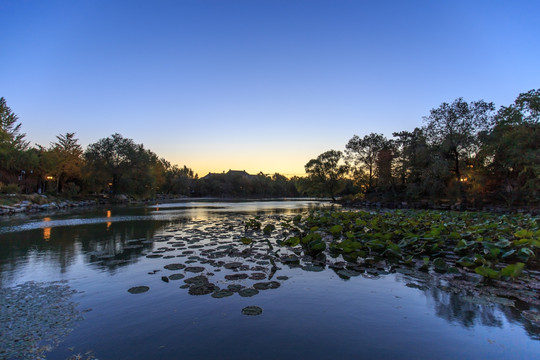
468	155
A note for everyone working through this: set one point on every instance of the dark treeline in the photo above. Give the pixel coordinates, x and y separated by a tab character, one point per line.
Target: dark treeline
467	153
113	166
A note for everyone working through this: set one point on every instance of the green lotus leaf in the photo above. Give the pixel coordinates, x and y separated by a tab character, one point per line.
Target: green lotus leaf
487	272
246	240
524	233
508	253
513	270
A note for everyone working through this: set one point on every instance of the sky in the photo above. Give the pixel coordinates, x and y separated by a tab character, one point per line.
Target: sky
256	85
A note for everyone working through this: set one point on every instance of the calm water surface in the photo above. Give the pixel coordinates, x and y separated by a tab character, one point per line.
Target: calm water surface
315	313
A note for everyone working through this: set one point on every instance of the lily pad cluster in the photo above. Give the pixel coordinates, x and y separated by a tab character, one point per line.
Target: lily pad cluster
220	259
476	254
493	246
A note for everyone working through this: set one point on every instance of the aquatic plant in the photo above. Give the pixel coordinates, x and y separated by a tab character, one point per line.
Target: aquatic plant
494	246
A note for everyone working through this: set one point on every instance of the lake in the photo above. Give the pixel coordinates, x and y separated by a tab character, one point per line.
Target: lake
186	281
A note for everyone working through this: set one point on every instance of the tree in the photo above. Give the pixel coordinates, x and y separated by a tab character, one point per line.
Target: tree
69	160
13	146
362	152
455	128
326	173
10	131
126	166
177	180
413	155
512	150
454	131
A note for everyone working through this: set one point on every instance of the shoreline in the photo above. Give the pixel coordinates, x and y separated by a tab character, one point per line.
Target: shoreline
13	204
36	203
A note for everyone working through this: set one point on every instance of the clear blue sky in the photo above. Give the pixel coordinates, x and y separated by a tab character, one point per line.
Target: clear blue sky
256	85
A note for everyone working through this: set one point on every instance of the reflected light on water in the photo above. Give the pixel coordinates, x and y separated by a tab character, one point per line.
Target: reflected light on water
47	234
108	222
47	230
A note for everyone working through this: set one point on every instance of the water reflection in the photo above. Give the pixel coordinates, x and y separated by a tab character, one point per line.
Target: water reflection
47	233
204	250
458	307
103	247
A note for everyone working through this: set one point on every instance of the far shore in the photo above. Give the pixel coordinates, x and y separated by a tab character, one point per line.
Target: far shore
12	204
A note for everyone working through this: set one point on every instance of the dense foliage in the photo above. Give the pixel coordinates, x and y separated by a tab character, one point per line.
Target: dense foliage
112	166
466	154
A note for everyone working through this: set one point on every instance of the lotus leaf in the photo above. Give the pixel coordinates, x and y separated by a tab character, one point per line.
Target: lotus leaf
487	272
246	240
513	270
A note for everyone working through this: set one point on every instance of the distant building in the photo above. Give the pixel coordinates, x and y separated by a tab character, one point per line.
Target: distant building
241	173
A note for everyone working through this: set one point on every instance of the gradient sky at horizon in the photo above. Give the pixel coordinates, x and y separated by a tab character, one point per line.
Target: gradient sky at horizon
256	85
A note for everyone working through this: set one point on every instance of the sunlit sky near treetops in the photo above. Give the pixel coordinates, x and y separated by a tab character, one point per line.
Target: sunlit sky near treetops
256	85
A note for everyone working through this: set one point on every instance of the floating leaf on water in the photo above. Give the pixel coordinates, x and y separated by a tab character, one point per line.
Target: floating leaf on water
502	243
317	245
258	276
266	285
235	287
248	292
440	264
233	265
461	245
222	293
336	230
204	289
292	241
246	240
197	280
138	289
525	253
487	272
175	266
290	259
513	270
176	276
508	253
236	276
252	310
524	233
268	229
194	269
